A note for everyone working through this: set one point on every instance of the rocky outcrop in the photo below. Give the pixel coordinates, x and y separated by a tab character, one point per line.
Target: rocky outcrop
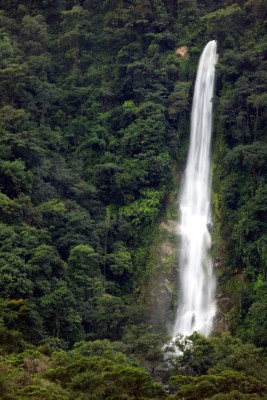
182	52
161	292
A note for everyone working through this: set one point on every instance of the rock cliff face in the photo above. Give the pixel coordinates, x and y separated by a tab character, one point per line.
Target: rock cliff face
161	292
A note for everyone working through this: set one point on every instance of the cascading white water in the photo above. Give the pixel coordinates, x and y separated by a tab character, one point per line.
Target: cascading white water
197	306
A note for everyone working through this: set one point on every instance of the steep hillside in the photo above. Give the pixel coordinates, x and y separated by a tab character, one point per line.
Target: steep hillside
94	115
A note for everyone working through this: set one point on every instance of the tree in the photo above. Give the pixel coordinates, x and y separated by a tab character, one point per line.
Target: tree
83	257
61	316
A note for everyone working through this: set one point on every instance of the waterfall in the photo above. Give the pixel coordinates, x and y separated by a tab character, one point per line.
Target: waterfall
197	306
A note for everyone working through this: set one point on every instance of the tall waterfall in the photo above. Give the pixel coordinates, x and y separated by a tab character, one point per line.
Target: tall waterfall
197	307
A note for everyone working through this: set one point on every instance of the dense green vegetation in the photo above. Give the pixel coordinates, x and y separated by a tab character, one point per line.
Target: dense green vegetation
240	174
94	119
215	368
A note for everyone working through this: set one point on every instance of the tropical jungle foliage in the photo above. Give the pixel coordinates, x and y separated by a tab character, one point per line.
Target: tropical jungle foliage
94	119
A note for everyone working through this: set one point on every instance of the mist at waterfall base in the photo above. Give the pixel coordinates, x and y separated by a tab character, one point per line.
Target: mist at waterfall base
197	307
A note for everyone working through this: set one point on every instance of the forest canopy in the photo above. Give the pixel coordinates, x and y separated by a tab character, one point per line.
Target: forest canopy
94	119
